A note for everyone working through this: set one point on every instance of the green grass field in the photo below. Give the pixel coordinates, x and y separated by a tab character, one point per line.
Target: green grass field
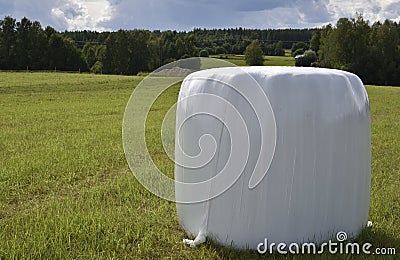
268	60
66	190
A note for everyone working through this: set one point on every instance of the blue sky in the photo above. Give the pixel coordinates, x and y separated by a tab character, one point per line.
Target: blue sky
187	14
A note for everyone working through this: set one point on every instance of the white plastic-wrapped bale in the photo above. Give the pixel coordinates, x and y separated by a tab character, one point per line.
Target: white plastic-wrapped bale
289	159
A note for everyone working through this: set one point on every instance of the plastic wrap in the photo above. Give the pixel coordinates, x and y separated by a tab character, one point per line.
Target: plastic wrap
301	171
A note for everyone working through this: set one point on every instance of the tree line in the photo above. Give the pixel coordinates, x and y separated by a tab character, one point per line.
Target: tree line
26	45
370	51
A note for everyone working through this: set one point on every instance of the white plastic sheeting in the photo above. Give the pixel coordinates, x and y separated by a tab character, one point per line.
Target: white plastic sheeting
306	142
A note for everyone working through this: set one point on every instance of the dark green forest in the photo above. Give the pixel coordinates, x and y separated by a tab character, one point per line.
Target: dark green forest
370	51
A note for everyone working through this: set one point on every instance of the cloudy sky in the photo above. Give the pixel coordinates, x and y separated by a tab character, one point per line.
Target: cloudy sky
187	14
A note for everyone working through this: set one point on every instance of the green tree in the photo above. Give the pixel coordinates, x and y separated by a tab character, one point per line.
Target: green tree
254	55
139	51
345	42
64	55
89	52
360	48
385	52
180	48
23	46
236	49
7	43
347	47
56	56
101	52
117	54
227	47
203	53
298	52
315	41
327	48
278	50
157	50
299	45
306	59
127	52
219	50
97	68
39	51
190	48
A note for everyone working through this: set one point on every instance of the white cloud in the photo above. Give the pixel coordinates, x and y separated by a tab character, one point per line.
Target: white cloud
372	10
186	14
60	14
81	14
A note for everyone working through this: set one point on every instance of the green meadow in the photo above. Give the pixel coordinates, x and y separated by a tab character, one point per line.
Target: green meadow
238	60
66	190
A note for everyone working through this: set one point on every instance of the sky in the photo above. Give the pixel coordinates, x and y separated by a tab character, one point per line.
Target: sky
184	15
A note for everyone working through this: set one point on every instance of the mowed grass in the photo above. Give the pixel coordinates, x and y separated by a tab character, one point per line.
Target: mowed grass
67	192
268	60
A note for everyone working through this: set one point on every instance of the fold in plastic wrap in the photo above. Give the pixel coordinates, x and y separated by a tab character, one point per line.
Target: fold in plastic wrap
307	171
